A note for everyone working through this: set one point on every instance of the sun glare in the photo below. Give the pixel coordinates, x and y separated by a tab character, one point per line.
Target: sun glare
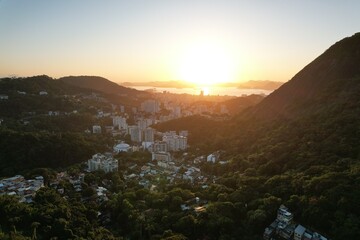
206	65
205	91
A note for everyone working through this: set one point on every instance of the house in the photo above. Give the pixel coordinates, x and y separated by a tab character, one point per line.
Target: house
299	232
270	230
54	113
284	228
161	156
18	186
4	97
96	129
283	215
212	158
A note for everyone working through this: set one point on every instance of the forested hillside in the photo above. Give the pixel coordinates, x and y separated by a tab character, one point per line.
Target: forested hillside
303	142
98	84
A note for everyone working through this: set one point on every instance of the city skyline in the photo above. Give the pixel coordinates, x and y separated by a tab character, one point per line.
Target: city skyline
170	40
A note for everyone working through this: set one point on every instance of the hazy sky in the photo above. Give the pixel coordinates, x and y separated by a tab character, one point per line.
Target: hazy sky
149	40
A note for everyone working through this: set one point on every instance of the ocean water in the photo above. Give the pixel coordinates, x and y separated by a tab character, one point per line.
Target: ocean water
222	91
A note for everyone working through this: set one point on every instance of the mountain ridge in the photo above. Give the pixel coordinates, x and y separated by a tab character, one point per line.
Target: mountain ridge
339	62
35	84
98	83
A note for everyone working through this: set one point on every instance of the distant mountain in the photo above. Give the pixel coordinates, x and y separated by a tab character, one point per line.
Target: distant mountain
35	84
161	84
258	84
333	77
98	83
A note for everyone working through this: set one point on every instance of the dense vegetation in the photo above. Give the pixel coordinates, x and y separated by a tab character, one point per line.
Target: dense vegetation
197	126
22	151
33	85
239	104
50	217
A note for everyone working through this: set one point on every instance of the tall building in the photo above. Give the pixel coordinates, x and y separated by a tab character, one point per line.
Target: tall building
144	123
135	133
120	122
175	142
102	162
149	135
177	111
159	146
150	106
223	109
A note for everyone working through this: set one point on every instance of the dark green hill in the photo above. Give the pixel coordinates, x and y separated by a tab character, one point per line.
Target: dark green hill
312	119
197	126
303	142
330	78
98	83
35	84
239	104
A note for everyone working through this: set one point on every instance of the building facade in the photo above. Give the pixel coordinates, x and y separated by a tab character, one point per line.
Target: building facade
135	133
102	162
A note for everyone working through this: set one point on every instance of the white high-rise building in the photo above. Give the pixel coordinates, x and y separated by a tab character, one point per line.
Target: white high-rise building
102	162
135	133
159	147
144	123
175	142
120	122
177	111
149	135
150	106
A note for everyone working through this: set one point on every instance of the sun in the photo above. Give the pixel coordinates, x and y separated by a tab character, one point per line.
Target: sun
205	65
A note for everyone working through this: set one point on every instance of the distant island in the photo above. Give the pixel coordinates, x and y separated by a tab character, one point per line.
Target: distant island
252	84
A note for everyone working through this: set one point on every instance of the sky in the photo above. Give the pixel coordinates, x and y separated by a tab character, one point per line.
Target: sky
154	40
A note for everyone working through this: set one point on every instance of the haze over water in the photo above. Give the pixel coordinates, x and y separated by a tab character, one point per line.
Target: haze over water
213	90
